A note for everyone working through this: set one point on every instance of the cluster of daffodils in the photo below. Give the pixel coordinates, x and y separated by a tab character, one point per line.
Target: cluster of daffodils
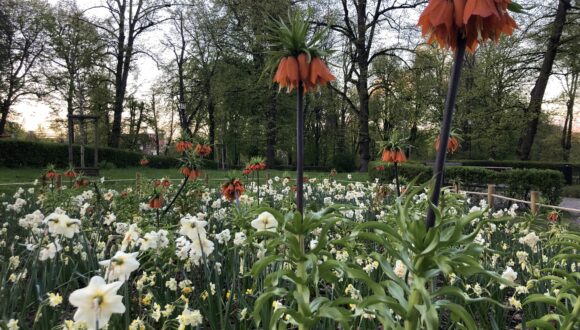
104	252
194	244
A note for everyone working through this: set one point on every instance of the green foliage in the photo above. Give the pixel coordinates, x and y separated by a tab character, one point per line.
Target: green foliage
519	182
571	191
36	154
565	298
344	162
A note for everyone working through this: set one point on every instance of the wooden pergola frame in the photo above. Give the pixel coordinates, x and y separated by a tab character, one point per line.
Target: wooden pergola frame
81	119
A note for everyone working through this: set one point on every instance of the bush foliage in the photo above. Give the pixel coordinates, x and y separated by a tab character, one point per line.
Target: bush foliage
519	182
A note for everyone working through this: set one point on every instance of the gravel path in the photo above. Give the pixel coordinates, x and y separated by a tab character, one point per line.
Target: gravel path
572	203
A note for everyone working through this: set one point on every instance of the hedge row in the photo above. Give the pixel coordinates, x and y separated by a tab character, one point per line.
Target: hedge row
15	153
518	182
557	166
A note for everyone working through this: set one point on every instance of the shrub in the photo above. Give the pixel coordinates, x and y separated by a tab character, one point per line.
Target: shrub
571	191
519	182
344	162
15	153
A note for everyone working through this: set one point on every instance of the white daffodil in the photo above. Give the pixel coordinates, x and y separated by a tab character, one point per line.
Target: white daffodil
192	227
510	275
131	236
199	248
49	251
61	224
121	265
265	221
97	302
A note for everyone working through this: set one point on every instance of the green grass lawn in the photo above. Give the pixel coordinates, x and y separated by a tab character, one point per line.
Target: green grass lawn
11	177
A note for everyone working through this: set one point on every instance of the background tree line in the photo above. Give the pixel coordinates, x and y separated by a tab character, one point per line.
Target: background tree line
211	53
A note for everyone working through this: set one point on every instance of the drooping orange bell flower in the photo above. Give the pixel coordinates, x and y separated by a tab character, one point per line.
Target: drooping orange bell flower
192	174
452	144
393	156
182	146
70	174
144	162
203	150
319	73
476	20
156	202
233	189
292	70
387	156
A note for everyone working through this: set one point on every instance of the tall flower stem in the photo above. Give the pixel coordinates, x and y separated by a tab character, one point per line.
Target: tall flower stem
183	183
397	180
300	148
445	129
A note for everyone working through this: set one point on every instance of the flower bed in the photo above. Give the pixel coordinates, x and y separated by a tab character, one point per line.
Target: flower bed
104	256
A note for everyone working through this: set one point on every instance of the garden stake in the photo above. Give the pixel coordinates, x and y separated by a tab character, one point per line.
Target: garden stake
300	148
445	129
397	180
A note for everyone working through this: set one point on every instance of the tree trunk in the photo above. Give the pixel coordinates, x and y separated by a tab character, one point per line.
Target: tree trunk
271	131
537	95
211	121
567	130
4	108
362	88
70	122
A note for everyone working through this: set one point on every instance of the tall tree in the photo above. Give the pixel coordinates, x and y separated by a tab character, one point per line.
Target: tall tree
24	38
534	108
75	48
361	22
126	22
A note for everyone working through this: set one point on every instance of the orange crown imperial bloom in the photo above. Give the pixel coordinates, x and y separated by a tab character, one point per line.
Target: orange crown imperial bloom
192	174
233	190
181	146
393	156
203	150
156	202
292	70
476	20
452	144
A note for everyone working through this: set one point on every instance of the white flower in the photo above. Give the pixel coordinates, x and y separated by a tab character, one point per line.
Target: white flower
313	244
131	236
121	265
201	247
224	236
49	251
510	275
265	221
54	299
189	317
12	324
154	240
239	238
530	240
97	302
400	269
61	224
110	218
192	227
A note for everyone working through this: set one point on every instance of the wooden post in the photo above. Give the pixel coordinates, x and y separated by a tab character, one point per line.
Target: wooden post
490	192
137	180
456	187
267	176
535	198
206	180
59	181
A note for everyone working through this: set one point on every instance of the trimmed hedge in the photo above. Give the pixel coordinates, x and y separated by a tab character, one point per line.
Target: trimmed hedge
519	182
14	153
